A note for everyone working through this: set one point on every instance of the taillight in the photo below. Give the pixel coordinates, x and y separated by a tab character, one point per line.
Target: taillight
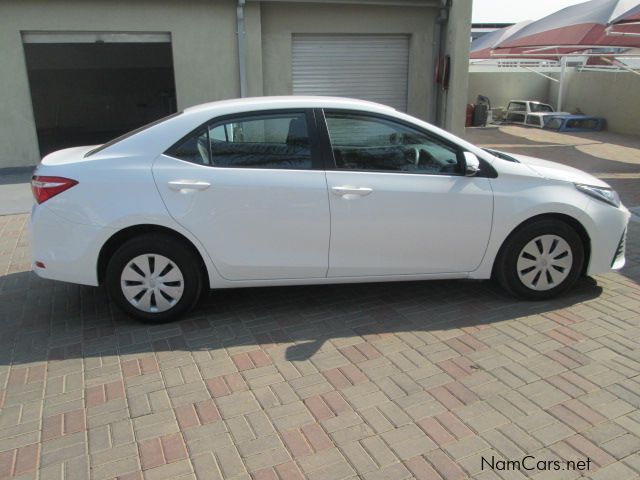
44	188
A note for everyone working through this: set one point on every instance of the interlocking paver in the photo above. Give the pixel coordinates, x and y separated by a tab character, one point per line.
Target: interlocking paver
378	381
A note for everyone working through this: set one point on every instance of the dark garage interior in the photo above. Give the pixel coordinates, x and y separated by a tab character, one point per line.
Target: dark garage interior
89	93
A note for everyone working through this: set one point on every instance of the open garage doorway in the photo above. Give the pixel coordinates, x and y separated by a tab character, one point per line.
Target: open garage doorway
87	88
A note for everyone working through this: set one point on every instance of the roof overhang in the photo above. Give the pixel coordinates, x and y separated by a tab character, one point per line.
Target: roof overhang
397	3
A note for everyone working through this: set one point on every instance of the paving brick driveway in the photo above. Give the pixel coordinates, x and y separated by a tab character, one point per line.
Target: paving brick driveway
378	381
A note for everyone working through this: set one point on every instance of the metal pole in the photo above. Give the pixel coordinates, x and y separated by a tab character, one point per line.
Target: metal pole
563	68
242	47
438	53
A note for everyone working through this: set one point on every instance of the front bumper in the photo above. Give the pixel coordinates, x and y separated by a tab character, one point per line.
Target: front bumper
607	237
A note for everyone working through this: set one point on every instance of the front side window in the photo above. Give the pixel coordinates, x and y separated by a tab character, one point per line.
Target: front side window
361	142
255	141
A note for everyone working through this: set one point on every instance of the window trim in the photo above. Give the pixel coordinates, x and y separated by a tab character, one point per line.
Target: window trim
314	143
331	162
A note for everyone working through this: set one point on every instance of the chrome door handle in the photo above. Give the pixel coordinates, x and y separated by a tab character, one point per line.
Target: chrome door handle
186	185
347	190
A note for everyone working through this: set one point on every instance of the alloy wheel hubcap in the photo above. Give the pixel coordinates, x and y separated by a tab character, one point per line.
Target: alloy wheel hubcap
152	283
545	262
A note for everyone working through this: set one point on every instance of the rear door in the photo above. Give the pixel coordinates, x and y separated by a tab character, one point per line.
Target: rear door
252	189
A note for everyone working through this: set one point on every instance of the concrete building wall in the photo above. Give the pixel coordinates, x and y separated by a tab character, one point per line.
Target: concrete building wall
205	54
281	20
203	38
612	95
501	87
457	47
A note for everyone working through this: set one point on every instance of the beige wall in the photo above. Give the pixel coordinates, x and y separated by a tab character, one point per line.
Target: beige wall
501	87
205	55
457	47
612	95
203	39
281	20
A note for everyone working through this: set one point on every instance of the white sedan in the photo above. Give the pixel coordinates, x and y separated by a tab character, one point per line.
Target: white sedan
311	190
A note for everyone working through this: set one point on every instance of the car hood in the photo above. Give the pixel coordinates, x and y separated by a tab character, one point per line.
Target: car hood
557	171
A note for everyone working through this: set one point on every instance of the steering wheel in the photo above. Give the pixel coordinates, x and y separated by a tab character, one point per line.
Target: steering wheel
425	159
414	155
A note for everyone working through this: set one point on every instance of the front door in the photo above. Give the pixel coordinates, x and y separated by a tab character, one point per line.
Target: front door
251	190
400	204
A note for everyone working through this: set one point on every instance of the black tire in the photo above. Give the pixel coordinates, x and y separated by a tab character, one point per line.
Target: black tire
174	250
506	271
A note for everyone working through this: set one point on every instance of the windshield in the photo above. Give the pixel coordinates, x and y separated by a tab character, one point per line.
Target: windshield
130	134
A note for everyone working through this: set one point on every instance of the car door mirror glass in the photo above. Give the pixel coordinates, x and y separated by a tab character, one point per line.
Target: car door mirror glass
472	164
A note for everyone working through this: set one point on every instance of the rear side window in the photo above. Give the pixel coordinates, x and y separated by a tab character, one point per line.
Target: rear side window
279	141
590	124
194	149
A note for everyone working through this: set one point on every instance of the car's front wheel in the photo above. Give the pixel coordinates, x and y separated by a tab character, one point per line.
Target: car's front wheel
154	278
540	260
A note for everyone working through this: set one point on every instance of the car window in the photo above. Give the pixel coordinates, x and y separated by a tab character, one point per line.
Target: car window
531	120
554	123
361	142
541	107
517	107
256	141
269	141
589	124
194	149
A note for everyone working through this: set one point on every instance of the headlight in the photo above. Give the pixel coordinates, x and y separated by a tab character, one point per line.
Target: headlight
604	194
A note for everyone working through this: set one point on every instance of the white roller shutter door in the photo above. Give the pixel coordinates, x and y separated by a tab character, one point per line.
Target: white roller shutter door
368	67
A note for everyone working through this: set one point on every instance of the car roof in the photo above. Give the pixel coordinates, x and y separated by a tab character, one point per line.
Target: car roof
530	101
289	101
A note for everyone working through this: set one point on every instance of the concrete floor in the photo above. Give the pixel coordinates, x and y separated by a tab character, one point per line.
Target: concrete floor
15	190
373	381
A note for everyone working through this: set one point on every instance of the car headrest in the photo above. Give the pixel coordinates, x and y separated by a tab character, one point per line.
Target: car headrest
297	132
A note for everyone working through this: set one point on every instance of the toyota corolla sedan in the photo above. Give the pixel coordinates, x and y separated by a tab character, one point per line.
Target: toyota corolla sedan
311	190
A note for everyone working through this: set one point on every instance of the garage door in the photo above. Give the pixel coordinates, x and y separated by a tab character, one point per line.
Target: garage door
369	67
89	87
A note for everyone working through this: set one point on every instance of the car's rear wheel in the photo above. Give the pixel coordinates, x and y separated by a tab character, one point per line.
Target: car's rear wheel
540	260
154	278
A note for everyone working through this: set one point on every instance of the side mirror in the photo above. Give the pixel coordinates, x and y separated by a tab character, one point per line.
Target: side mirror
471	164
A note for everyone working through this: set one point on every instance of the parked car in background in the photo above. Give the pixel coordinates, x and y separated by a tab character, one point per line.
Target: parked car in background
539	120
575	123
311	190
517	110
